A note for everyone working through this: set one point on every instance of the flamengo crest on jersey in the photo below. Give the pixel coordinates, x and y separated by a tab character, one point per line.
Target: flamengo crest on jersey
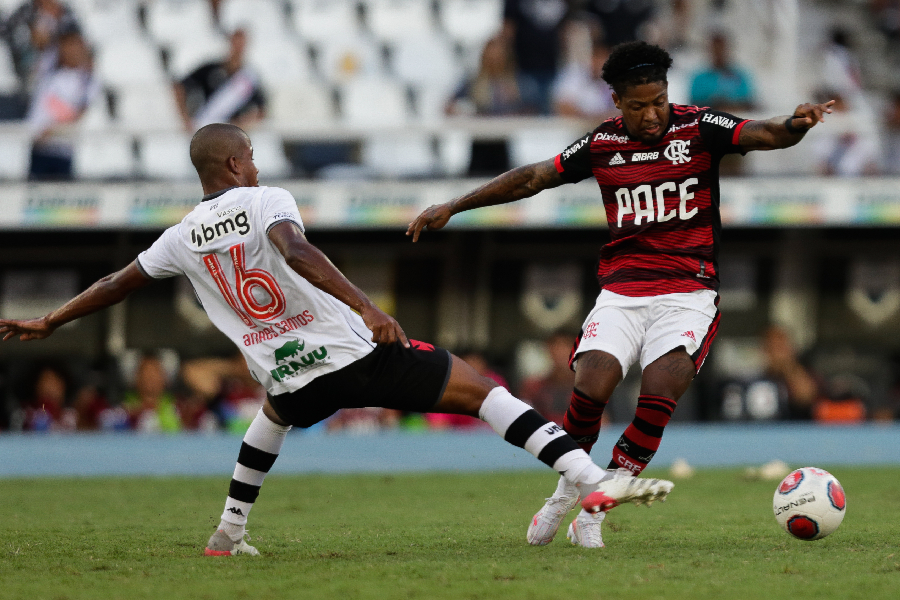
661	200
289	331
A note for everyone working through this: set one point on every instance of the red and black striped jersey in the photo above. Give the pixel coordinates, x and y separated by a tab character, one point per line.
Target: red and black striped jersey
661	200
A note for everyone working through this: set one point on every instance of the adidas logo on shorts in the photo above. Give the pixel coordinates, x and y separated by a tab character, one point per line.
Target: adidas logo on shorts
616	160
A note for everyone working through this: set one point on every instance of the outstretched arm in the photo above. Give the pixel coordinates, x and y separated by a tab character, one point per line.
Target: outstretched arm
310	263
110	290
784	131
522	182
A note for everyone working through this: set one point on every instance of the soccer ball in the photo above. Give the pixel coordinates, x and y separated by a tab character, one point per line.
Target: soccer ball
809	503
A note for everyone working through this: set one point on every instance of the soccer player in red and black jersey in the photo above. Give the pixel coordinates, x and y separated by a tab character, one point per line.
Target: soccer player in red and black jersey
657	167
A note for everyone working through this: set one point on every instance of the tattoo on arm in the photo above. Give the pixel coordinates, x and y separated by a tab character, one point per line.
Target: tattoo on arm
522	182
768	135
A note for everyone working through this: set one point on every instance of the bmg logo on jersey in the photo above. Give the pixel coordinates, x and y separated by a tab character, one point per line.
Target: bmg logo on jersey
677	151
239	223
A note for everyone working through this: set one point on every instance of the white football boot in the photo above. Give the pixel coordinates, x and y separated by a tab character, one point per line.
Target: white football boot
220	544
545	523
585	530
624	487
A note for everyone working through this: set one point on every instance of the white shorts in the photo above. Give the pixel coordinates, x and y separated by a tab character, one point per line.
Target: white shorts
650	326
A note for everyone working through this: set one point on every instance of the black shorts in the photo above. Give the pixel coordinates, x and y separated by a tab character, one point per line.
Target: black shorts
391	376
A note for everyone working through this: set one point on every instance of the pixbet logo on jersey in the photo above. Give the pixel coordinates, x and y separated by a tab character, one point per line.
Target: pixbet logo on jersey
677	151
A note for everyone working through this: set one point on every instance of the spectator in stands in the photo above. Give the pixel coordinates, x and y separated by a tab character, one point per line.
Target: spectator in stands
722	85
550	394
886	15
784	366
581	92
48	409
448	421
226	386
621	21
534	27
61	97
841	70
226	91
494	91
849	147
32	32
363	420
891	133
151	407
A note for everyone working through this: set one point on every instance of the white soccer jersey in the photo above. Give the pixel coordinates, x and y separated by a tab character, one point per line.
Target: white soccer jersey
289	331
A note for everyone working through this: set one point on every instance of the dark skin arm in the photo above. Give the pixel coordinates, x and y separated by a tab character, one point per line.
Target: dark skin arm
772	133
310	263
522	182
110	290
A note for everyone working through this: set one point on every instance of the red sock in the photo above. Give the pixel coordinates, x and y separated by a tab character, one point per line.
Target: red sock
641	440
582	420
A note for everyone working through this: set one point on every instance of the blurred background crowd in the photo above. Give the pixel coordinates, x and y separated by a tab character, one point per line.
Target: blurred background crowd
108	91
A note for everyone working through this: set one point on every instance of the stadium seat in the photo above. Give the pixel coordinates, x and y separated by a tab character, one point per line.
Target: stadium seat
15	154
258	17
165	156
346	58
190	53
426	61
268	155
471	22
454	153
324	20
374	102
103	156
129	61
148	107
105	20
528	146
170	21
306	104
279	61
9	81
96	117
393	20
399	155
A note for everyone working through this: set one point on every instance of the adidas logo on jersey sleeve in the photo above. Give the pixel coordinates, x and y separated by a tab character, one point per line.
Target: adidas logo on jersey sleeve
616	160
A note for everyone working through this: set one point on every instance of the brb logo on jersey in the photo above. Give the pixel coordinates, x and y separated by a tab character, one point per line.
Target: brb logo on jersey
209	233
677	151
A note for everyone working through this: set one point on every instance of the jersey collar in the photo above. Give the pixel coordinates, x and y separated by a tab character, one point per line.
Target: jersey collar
215	195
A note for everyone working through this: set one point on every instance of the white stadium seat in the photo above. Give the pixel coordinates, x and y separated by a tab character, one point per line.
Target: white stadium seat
103	156
399	155
9	81
15	154
105	20
279	62
165	156
129	61
190	53
471	22
323	20
170	21
346	58
307	104
454	152
268	155
96	117
393	20
374	102
259	17
528	146
148	107
426	61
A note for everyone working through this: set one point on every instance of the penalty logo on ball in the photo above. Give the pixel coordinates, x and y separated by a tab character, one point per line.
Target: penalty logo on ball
809	503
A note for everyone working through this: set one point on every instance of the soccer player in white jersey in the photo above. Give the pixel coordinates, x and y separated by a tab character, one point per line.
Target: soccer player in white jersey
311	337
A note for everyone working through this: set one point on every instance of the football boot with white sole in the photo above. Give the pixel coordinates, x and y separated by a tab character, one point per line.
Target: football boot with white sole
545	523
221	545
585	530
624	487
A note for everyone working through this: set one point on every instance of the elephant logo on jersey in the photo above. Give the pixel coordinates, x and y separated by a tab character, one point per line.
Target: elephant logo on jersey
289	350
677	151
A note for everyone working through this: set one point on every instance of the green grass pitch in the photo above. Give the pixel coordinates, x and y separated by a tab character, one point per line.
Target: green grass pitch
436	536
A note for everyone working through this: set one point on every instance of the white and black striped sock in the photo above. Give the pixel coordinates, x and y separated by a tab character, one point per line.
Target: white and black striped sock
522	426
261	446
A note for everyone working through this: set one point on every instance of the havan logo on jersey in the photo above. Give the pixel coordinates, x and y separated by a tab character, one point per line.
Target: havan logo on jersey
719	120
294	349
208	233
575	147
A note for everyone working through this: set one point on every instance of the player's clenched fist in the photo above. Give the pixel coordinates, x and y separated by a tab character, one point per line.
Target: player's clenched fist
433	217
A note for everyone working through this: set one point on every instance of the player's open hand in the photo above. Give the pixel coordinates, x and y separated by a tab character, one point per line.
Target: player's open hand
31	329
385	329
433	217
806	116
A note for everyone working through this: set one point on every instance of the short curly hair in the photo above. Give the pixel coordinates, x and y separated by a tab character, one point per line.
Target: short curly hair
635	63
